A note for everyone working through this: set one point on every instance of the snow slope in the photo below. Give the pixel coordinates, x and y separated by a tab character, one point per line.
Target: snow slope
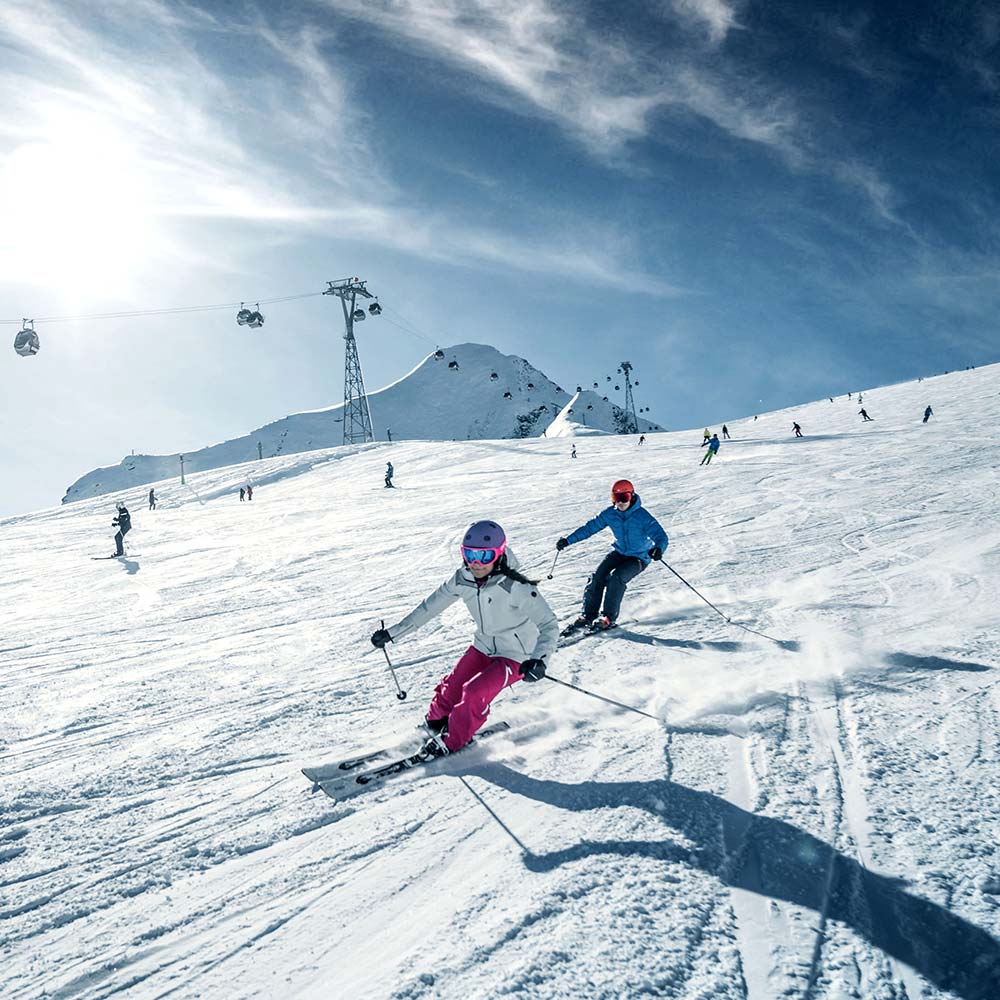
587	413
816	817
432	402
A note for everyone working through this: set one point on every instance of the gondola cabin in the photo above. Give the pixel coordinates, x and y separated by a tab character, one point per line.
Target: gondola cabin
26	342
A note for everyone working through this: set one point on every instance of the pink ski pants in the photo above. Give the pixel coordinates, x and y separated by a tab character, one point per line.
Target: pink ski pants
464	696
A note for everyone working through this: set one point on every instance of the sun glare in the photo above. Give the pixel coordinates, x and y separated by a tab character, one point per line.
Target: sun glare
73	211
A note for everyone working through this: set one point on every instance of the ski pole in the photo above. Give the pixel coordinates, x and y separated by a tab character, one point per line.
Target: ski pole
400	693
610	701
728	620
554	561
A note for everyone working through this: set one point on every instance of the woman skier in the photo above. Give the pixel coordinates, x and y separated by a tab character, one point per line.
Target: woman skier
515	632
638	539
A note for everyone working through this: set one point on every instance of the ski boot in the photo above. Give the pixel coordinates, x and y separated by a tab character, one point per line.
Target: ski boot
602	623
435	747
436	726
582	622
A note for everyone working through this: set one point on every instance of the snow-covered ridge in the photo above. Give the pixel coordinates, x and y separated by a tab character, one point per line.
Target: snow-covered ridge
473	393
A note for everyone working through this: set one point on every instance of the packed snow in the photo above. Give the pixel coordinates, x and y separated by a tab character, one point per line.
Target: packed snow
817	815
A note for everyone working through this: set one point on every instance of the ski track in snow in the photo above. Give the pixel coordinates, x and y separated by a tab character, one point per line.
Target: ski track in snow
815	819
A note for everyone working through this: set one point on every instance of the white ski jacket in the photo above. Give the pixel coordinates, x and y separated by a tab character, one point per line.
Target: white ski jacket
512	619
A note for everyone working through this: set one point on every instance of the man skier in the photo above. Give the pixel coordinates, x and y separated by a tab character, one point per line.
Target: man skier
515	632
572	454
152	500
713	447
725	432
638	539
927	414
124	524
388	476
864	415
706	437
797	429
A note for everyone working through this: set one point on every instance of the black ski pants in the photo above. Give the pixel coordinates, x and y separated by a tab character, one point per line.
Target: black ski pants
119	540
609	581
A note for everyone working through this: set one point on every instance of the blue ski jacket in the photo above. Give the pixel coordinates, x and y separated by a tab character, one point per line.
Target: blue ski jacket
713	445
636	531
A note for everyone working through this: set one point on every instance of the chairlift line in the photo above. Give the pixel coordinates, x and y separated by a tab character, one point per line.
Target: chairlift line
130	314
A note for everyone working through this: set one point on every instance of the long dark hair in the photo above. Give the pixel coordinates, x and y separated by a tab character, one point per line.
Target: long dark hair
507	570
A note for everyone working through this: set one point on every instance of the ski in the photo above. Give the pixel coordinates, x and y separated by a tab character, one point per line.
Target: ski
339	782
570	636
387	753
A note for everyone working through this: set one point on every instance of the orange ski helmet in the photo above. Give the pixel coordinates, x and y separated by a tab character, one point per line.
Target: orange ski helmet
622	490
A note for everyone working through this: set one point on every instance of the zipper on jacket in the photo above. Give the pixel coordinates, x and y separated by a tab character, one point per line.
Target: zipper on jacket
482	621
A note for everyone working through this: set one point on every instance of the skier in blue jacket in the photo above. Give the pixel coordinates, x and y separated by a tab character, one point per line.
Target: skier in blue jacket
638	539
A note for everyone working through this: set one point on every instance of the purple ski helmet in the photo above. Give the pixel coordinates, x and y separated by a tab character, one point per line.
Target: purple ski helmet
484	542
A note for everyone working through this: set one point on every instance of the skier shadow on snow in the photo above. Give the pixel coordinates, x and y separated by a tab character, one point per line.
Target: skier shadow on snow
910	661
650	640
720	645
773	858
131	566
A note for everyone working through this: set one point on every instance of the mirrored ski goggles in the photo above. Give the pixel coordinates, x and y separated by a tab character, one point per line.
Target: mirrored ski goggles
482	556
621	497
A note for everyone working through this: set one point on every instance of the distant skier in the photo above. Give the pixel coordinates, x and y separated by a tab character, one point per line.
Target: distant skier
797	429
124	524
243	494
515	632
864	415
642	439
928	413
638	539
725	433
860	399
706	437
152	500
713	448
249	492
572	454
388	476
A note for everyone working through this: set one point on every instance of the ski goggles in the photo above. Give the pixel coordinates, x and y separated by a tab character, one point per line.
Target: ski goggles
622	497
482	556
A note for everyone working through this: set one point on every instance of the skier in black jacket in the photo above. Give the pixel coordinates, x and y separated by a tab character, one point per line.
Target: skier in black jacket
124	524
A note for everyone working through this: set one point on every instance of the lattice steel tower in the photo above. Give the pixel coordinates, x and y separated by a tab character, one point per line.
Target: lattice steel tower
357	415
631	423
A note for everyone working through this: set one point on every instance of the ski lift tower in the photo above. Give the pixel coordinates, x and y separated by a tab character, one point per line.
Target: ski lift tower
631	424
357	415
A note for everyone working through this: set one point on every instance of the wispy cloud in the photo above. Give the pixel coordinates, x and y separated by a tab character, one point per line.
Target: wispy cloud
716	17
543	59
278	143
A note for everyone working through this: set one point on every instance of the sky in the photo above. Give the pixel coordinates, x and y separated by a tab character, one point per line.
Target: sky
755	204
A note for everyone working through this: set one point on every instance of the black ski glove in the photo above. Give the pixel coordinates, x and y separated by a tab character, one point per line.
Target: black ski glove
533	670
380	637
561	544
656	553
